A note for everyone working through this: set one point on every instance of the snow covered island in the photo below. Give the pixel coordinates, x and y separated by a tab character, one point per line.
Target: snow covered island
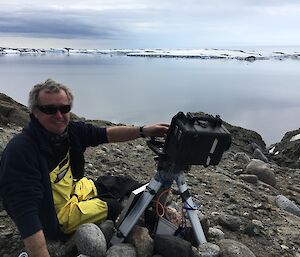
207	53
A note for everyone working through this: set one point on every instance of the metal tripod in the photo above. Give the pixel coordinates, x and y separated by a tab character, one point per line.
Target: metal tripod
165	176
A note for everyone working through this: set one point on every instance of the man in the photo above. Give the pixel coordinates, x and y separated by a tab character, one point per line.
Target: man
41	176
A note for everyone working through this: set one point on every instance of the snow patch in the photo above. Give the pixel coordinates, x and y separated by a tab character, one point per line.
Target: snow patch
294	138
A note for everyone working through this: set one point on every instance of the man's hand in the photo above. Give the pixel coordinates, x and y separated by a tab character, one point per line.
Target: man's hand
36	245
156	130
126	133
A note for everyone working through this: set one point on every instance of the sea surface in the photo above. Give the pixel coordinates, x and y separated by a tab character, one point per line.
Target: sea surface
263	96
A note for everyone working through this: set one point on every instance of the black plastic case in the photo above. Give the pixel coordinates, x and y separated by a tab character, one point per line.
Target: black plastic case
196	140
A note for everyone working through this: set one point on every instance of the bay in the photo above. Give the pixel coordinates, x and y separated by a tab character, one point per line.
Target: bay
261	95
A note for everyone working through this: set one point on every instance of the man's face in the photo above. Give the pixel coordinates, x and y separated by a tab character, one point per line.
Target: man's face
57	122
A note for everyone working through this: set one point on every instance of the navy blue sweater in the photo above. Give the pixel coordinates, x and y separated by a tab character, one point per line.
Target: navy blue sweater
24	174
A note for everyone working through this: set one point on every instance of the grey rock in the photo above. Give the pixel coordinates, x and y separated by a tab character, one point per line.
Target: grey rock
229	221
286	153
209	250
242	158
253	228
195	252
90	240
107	227
231	248
121	250
238	172
253	146
249	178
140	238
172	246
287	205
258	154
12	112
262	171
216	233
3	213
60	249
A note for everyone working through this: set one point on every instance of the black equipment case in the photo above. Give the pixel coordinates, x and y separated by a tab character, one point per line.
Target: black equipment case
196	139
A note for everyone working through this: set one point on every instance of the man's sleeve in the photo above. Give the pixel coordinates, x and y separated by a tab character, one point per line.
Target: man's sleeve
89	134
20	186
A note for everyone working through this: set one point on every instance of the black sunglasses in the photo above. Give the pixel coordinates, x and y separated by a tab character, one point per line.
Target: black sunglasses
53	109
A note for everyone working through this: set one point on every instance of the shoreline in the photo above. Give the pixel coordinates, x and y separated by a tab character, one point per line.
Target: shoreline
205	53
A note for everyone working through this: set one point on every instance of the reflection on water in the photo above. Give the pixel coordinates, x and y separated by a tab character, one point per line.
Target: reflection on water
261	95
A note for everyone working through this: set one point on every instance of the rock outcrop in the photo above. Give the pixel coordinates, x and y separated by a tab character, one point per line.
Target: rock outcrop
287	152
12	112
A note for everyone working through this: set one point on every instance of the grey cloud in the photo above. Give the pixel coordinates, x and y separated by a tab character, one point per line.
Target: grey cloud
45	23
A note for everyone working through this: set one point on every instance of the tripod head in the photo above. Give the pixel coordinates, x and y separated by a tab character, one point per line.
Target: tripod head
193	139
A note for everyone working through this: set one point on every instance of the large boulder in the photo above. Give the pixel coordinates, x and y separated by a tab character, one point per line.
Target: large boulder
90	240
286	153
231	248
262	170
12	112
243	139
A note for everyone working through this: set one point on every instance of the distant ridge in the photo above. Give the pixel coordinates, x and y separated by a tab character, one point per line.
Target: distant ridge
207	53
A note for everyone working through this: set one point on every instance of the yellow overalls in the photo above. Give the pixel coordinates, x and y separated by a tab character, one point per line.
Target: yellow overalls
75	201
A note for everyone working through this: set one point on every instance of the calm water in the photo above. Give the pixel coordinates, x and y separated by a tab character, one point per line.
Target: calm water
262	96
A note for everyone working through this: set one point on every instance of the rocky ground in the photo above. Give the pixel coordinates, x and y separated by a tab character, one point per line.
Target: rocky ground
254	202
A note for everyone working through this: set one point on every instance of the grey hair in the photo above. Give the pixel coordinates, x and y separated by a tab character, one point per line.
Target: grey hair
50	86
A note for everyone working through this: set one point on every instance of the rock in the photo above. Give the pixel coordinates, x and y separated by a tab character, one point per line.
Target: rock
195	252
90	240
238	172
3	213
231	248
262	171
121	250
216	233
90	165
253	146
172	246
107	227
230	222
259	155
140	238
12	112
249	178
242	158
286	153
209	250
241	138
287	205
252	229
59	249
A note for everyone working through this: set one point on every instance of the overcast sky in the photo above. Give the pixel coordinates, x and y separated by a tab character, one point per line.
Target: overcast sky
148	23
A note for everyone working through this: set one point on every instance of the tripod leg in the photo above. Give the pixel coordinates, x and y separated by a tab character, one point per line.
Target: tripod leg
137	210
189	205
